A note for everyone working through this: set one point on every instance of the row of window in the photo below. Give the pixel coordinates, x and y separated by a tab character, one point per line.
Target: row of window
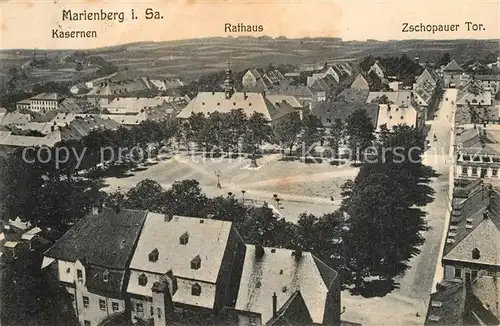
459	273
79	274
139	308
474	171
115	306
477	158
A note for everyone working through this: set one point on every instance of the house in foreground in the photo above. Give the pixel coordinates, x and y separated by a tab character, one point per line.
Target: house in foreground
145	268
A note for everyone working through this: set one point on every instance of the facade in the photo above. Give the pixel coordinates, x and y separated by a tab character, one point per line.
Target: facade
451	75
91	261
478	153
472	245
360	83
249	102
378	69
173	251
489	82
42	103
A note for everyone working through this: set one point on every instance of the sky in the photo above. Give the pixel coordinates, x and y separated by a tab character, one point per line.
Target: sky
30	24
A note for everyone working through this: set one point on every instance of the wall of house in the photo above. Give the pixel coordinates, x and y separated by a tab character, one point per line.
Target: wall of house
185	285
94	313
471	169
145	290
66	271
231	267
136	312
249	319
249	80
463	268
331	314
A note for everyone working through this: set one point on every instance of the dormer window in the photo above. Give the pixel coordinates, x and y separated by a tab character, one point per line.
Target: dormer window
183	239
476	254
79	274
143	280
196	289
105	276
196	262
153	255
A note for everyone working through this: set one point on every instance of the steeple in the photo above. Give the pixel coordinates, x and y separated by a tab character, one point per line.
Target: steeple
228	82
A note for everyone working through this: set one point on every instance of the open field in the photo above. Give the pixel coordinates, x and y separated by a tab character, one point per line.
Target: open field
189	59
301	187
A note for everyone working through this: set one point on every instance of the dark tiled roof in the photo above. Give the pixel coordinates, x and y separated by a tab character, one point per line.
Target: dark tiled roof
353	95
453	66
447	306
107	239
329	111
293	312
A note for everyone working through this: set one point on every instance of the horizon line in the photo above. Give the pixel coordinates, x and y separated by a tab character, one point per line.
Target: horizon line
281	37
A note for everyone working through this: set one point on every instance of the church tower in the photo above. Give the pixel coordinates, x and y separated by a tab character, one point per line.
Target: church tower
228	83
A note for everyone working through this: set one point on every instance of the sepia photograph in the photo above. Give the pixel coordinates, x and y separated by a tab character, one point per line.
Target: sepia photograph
249	163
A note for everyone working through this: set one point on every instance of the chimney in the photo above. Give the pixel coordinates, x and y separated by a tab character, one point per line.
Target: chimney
486	214
245	95
259	251
275	304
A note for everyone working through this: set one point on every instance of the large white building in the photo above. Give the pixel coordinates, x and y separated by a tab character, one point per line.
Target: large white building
42	103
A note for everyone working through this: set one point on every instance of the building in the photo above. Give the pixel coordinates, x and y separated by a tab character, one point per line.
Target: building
460	303
489	82
360	83
258	80
451	74
283	287
91	261
15	119
393	115
329	111
353	95
41	103
378	69
473	94
249	102
472	245
478	153
192	257
134	105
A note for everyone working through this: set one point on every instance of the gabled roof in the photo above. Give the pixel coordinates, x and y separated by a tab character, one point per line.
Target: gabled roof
360	83
207	238
208	102
293	312
452	66
353	95
446	307
46	97
279	271
106	239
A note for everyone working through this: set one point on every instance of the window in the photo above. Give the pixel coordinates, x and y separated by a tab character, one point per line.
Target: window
72	297
494	172
153	255
252	320
476	254
86	323
183	240
143	280
196	262
139	307
474	171
102	304
196	289
115	306
474	274
458	273
86	302
79	274
158	312
151	310
328	120
464	170
105	276
491	273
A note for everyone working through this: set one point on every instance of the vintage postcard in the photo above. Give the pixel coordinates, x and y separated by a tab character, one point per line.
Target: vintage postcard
250	162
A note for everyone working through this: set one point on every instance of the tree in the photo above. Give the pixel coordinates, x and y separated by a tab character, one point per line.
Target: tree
359	132
185	198
287	130
258	131
146	195
385	224
445	59
312	131
336	135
